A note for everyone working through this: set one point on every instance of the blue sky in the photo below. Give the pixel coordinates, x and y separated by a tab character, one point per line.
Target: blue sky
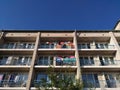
59	14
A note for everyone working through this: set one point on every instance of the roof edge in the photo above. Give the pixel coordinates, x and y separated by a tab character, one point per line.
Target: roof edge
116	24
56	30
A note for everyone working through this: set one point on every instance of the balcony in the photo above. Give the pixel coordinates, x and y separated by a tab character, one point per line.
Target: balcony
42	78
9	60
15	63
102	49
99	62
67	61
100	65
13	79
57	62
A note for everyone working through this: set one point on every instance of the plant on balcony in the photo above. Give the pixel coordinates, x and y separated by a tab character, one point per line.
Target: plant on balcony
57	82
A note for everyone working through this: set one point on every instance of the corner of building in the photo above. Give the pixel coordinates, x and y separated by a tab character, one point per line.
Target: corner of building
117	26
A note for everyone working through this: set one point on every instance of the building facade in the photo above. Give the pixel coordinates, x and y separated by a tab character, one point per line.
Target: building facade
92	56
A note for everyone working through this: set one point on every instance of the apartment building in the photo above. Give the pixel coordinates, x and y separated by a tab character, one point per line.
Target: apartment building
92	56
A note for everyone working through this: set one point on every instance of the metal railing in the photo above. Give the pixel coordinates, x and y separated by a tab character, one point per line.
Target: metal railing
44	62
102	84
66	62
12	83
38	83
99	62
52	46
60	62
16	46
14	62
88	84
97	47
91	84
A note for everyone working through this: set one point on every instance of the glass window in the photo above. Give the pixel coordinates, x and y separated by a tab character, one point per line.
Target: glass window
86	61
11	45
102	45
84	46
106	60
52	46
41	76
6	45
88	46
81	61
90	80
47	46
110	80
45	60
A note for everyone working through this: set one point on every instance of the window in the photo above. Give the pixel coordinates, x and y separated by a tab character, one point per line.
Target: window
90	80
110	80
19	45
13	79
3	60
41	76
86	61
9	45
46	45
107	60
84	46
45	60
21	60
25	45
24	60
102	46
30	45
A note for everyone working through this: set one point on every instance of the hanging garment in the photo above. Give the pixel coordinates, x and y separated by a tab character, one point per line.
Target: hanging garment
58	46
9	60
23	61
72	59
61	43
66	60
1	77
64	46
59	61
16	78
72	56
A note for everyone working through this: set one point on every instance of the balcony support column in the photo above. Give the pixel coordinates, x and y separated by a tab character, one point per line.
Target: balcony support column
114	42
1	37
79	75
31	71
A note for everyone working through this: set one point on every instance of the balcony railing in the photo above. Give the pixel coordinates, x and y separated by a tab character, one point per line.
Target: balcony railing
97	47
12	83
17	46
15	62
57	61
91	84
56	45
38	83
66	61
44	62
106	47
99	62
101	84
